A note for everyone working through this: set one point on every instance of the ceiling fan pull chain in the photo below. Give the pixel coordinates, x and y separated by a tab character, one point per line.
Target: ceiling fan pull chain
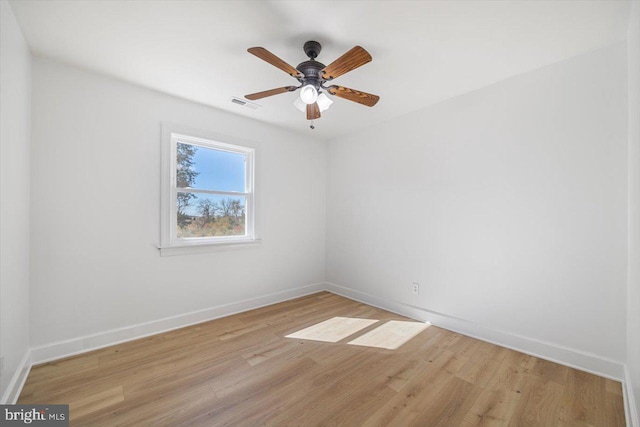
312	126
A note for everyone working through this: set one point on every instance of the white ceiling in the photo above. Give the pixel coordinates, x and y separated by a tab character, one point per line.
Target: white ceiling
423	51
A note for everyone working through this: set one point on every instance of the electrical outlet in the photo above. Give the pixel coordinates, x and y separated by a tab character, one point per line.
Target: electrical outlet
415	288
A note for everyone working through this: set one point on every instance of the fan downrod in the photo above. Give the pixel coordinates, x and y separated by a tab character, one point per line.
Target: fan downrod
312	49
311	69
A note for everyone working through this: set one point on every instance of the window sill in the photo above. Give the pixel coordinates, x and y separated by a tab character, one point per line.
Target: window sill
204	248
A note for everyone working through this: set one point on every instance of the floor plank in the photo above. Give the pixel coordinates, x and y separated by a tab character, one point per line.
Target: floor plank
242	370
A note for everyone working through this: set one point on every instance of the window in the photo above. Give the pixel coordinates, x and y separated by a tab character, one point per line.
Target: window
208	195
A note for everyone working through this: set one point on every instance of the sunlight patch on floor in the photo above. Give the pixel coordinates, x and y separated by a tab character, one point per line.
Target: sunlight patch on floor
333	330
390	335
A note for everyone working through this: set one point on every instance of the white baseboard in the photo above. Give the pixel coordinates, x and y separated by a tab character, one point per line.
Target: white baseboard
61	349
10	396
630	408
555	353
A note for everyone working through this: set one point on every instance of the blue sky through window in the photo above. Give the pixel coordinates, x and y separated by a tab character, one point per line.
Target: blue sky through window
219	170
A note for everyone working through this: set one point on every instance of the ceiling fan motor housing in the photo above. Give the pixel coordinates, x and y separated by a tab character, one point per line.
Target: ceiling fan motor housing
311	70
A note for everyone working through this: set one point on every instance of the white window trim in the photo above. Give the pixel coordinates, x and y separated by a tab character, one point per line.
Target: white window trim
170	244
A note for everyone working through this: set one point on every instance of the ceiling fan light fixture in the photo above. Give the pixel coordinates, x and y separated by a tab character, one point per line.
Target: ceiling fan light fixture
308	94
300	105
324	102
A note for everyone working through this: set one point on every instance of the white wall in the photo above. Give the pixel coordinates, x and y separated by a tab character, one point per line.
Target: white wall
15	98
95	209
507	205
633	327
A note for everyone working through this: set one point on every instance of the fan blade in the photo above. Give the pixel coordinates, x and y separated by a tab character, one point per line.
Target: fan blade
351	60
265	55
354	95
313	111
271	92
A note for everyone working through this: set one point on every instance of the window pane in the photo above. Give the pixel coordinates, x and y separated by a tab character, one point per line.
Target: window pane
204	215
209	169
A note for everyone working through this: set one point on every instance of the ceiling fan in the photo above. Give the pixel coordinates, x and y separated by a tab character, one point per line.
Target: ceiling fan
313	75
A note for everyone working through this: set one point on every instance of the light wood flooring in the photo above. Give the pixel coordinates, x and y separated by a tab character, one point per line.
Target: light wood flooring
242	371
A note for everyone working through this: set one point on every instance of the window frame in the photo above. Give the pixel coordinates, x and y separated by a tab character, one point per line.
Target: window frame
169	191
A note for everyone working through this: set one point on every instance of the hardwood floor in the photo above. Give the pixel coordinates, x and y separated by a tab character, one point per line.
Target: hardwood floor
241	370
